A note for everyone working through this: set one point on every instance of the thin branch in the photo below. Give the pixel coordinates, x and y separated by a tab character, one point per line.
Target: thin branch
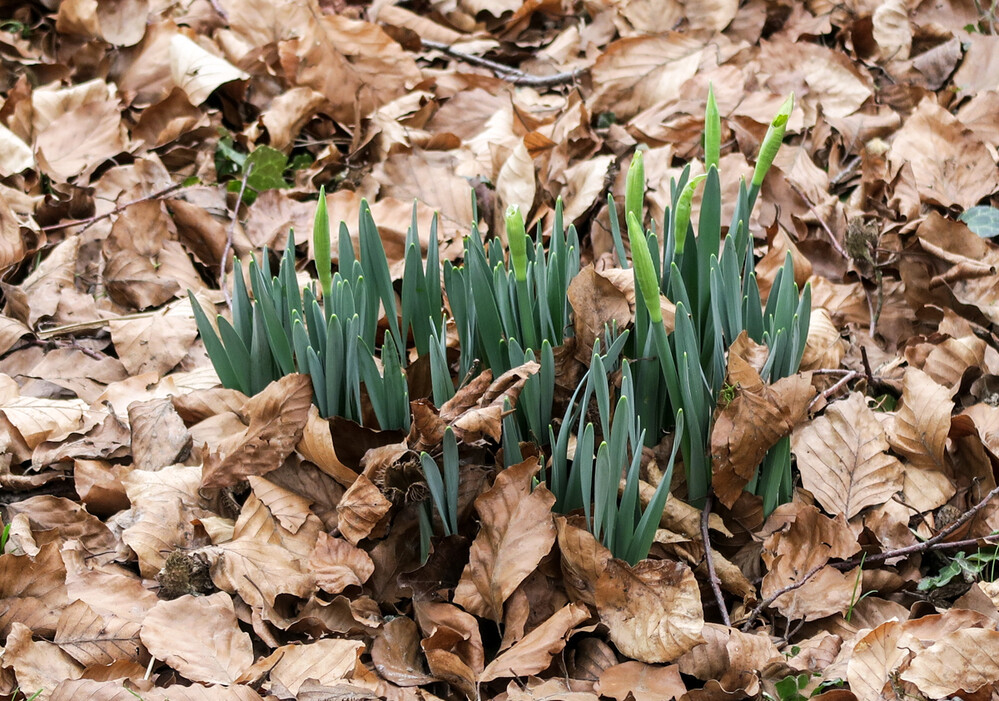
934	543
709	559
90	221
513	75
767	602
229	233
840	383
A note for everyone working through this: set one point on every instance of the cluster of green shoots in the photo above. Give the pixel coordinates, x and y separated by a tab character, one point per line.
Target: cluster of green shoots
712	284
509	304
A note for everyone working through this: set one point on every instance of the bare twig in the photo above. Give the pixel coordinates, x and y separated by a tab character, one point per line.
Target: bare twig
934	543
228	235
87	222
767	602
709	559
513	75
825	394
822	222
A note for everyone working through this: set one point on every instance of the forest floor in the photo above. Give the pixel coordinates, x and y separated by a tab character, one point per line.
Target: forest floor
169	539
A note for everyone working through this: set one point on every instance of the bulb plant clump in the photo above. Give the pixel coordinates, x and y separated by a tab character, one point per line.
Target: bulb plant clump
350	332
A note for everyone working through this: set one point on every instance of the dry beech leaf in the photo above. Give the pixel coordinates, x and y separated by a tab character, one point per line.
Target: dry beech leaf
159	436
824	347
801	540
157	342
584	558
919	434
642	682
94	639
476	410
516	531
360	509
337	564
277	419
395	653
534	652
881	652
652	610
199	637
290	509
316	446
843	459
635	73
38	664
453	644
951	165
729	655
93	690
164	504
264	560
753	422
32	590
964	660
327	661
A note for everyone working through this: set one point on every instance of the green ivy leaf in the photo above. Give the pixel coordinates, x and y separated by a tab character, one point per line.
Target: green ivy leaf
984	221
269	166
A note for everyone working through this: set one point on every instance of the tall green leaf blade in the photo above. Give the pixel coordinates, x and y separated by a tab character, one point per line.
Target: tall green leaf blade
216	351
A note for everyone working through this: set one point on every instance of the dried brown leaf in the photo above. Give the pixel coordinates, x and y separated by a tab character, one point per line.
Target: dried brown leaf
753	422
642	682
199	637
395	653
277	419
843	459
94	639
360	509
337	564
534	652
919	434
516	532
652	610
801	540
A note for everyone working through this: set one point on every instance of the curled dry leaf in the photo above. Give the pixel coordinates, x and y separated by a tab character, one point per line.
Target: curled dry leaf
164	504
652	610
316	446
752	423
199	637
159	436
327	661
360	509
337	564
879	654
843	459
729	656
277	419
115	690
516	531
453	644
395	653
32	590
919	434
477	411
950	164
37	664
534	652
584	558
802	539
